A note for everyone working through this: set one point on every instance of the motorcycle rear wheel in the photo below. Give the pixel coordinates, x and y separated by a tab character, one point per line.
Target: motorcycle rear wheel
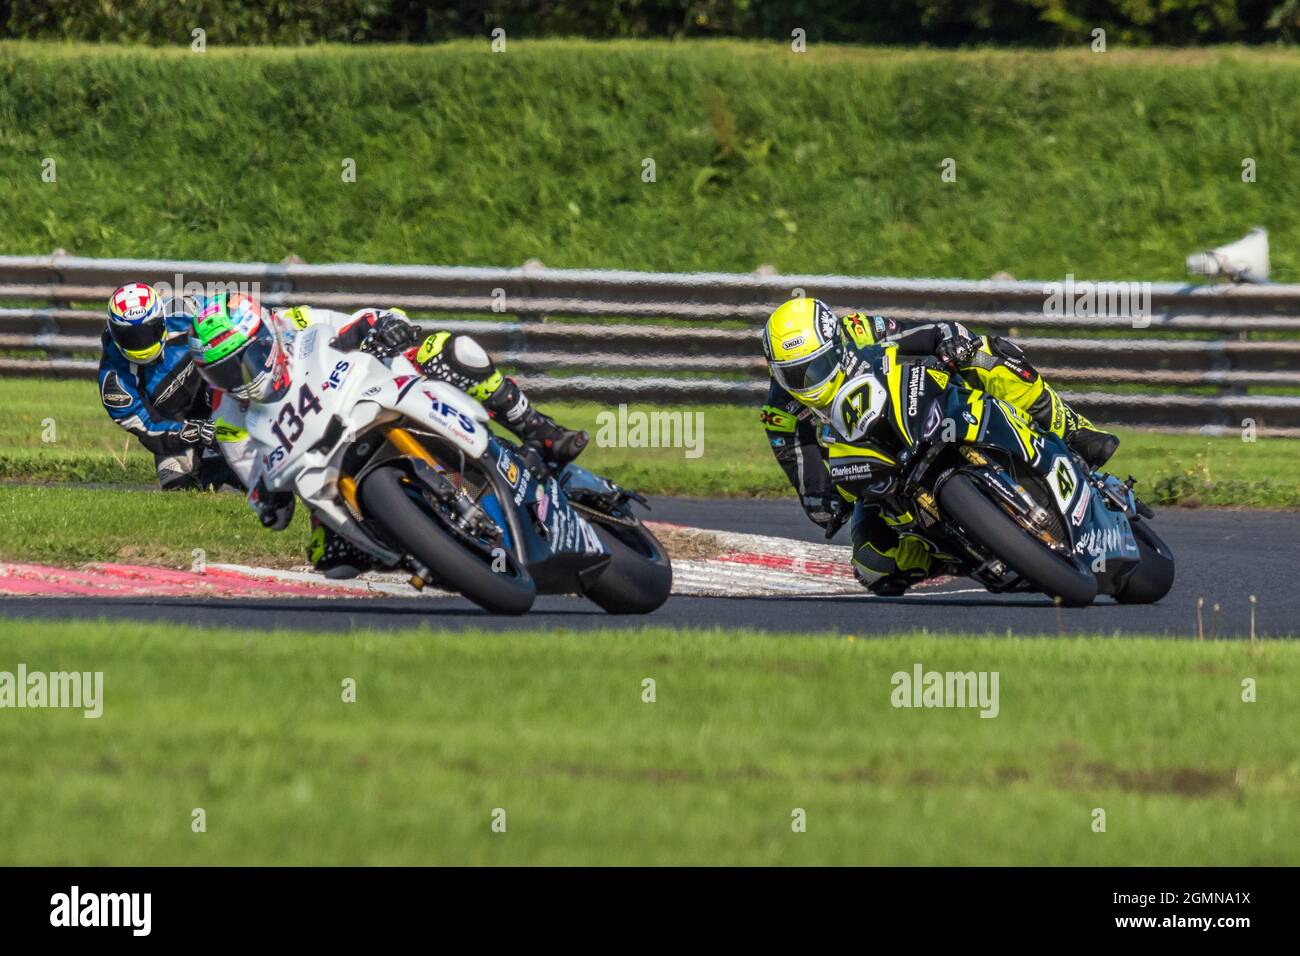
995	530
1154	575
639	576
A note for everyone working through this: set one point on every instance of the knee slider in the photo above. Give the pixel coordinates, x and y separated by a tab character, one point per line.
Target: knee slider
470	356
1005	348
1011	356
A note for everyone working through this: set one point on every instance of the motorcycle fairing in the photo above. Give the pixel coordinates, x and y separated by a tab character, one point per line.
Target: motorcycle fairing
1097	533
559	546
927	404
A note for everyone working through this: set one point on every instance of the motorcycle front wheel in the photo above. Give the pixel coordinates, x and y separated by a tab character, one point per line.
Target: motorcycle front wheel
387	499
998	533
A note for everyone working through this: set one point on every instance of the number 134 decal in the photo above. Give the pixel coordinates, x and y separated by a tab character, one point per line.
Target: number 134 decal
292	418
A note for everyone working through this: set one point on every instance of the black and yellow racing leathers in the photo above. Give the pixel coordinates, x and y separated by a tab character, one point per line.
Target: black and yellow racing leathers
881	542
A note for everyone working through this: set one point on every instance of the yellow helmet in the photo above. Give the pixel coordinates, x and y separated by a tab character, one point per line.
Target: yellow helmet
803	348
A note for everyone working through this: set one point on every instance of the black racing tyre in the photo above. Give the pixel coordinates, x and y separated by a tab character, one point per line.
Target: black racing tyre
385	500
639	576
994	529
1154	575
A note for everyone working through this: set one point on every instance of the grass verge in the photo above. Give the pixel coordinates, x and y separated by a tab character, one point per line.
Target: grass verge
734	460
552	728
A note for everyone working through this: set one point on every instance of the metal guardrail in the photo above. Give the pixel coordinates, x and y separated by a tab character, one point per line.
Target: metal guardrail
44	332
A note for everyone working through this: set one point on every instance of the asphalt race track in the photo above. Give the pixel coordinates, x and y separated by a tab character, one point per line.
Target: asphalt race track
1223	556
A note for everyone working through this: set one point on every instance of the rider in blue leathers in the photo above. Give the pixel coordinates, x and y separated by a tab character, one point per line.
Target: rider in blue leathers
149	386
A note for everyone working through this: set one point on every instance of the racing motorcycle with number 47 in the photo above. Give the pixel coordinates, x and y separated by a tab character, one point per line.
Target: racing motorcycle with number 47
996	498
407	469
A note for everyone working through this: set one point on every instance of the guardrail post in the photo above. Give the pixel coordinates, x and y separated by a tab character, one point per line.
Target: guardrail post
53	323
280	280
531	265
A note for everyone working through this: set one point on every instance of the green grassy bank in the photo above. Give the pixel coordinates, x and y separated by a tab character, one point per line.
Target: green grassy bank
552	729
1108	165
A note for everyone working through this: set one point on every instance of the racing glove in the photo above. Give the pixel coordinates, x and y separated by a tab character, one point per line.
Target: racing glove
389	334
274	508
956	352
827	511
199	431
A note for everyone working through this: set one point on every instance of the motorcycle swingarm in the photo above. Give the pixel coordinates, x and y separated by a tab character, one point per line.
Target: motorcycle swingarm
599	496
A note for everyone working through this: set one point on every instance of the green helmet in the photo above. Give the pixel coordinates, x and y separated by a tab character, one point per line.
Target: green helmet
235	348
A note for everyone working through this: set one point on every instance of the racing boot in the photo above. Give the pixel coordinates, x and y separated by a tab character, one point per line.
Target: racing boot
335	556
557	444
895	583
1088	441
1093	445
460	360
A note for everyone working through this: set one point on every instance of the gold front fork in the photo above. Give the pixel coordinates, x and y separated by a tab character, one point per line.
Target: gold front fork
405	443
348	489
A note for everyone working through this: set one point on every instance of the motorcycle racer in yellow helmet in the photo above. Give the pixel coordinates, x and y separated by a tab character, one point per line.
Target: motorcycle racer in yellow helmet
810	353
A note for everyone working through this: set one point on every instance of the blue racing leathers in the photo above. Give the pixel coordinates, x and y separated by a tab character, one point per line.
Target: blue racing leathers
166	405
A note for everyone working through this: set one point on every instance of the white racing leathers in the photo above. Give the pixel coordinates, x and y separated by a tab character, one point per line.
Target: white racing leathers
239	448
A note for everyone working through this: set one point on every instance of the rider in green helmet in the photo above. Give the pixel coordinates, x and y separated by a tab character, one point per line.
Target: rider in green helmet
236	348
241	349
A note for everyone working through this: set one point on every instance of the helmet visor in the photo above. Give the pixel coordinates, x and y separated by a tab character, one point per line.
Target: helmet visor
808	373
137	337
249	371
